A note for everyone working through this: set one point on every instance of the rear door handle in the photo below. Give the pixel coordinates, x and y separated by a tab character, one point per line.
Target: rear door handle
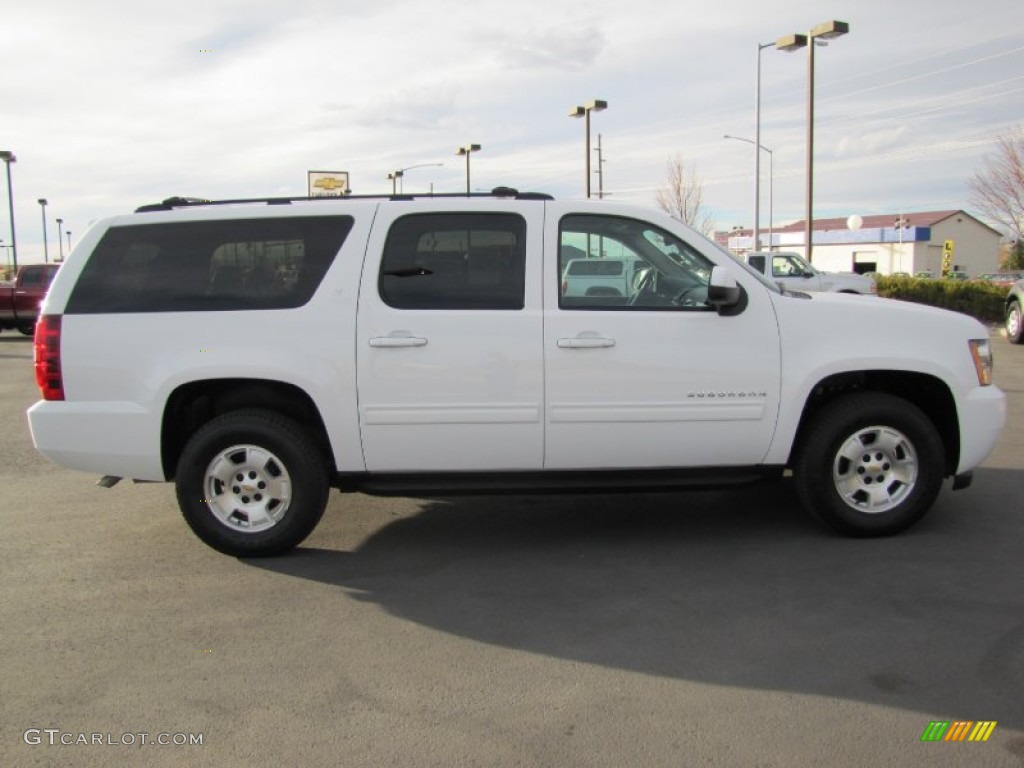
397	341
587	342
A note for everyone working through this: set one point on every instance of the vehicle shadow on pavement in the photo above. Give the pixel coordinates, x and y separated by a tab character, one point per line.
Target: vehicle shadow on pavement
733	588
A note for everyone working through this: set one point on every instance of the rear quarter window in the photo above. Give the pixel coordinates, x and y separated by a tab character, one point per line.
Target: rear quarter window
209	266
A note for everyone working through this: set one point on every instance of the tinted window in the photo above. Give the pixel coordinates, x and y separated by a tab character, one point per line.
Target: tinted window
38	276
209	265
455	261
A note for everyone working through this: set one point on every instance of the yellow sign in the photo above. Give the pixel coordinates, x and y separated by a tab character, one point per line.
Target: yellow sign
328	183
948	247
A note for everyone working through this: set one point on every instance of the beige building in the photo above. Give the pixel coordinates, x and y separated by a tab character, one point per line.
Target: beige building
886	243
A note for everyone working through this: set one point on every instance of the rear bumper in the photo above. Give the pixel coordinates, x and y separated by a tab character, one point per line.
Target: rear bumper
107	438
981	421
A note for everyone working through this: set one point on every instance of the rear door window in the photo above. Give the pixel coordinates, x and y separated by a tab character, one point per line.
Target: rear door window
455	261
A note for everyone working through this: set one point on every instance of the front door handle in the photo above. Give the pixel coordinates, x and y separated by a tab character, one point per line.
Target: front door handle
586	342
397	341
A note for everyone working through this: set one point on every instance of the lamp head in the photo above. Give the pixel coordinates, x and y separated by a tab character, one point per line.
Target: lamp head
791	42
830	30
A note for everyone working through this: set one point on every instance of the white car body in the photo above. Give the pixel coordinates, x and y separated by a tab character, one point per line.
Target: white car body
532	393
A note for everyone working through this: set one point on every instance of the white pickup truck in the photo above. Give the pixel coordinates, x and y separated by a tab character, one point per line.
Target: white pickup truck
257	353
793	273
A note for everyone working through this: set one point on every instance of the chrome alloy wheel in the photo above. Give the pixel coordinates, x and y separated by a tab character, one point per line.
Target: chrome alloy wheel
247	488
1013	321
875	469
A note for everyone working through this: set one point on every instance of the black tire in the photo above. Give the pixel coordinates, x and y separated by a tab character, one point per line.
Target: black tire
1014	323
27	330
894	463
279	498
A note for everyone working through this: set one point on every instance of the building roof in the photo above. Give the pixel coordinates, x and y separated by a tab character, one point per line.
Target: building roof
876	221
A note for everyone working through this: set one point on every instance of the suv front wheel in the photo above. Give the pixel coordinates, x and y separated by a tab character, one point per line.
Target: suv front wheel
871	465
252	483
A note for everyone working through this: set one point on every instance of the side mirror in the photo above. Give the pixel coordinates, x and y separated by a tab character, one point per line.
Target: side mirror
723	292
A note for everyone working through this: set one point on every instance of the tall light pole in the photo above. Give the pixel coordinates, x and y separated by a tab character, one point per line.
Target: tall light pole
68	233
595	105
8	157
771	194
46	250
827	30
60	243
467	151
757	144
394	176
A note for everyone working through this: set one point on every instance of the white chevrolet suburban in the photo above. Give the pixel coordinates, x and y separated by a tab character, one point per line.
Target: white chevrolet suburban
257	353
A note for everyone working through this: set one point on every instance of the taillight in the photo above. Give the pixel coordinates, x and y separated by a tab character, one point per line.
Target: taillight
47	349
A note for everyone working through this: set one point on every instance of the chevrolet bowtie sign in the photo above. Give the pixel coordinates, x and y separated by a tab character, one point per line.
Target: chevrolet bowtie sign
328	183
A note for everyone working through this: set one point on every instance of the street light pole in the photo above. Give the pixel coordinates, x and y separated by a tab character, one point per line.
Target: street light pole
467	151
394	176
771	193
902	222
69	241
595	105
60	243
8	157
400	174
46	250
825	31
757	147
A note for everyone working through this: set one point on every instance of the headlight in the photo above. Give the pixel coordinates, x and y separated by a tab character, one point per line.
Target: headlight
981	351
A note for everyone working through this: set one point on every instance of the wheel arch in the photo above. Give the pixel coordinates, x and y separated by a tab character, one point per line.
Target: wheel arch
925	391
193	404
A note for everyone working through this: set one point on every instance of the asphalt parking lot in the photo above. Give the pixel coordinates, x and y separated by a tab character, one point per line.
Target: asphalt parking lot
712	628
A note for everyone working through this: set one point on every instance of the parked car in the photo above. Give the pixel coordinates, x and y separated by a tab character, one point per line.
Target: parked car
1002	279
423	345
20	299
1014	318
792	271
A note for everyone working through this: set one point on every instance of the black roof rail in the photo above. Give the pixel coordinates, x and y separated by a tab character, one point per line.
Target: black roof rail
193	202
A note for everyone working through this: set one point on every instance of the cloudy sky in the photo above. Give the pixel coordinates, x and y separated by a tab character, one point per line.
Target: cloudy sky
111	104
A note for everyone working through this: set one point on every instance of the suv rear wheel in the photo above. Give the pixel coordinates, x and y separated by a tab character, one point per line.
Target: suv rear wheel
252	483
871	465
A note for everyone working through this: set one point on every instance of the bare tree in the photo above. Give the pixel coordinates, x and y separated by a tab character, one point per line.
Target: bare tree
997	191
683	197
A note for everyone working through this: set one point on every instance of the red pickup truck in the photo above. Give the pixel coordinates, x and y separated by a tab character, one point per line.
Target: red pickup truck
19	300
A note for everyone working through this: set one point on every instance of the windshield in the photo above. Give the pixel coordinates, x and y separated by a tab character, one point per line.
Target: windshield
799	260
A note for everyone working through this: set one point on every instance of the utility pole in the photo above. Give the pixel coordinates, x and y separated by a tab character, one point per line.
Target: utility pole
600	169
